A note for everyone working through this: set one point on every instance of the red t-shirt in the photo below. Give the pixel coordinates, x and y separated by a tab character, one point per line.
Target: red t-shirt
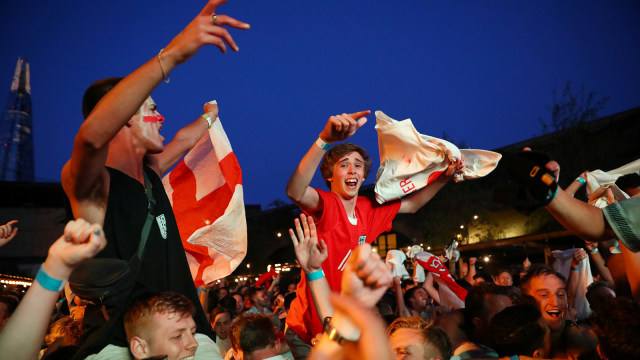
341	237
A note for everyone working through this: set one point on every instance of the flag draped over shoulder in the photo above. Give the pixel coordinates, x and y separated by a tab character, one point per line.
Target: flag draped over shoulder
205	190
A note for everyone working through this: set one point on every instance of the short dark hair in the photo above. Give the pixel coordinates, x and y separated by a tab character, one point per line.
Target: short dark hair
252	332
475	301
538	270
617	326
516	330
409	294
336	153
433	336
95	92
137	319
11	301
629	181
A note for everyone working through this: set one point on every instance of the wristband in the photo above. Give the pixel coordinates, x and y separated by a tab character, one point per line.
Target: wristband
322	144
514	357
165	76
315	275
550	196
208	118
574	268
581	180
48	282
594	251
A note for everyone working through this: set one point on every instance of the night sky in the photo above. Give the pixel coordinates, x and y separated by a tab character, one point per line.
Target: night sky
483	72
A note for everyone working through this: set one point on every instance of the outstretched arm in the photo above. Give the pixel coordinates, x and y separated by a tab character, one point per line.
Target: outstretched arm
418	199
84	173
338	128
24	332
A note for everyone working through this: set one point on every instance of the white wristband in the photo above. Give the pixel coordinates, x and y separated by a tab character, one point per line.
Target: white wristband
208	118
322	144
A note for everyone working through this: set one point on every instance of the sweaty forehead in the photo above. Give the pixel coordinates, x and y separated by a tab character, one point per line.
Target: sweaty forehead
546	282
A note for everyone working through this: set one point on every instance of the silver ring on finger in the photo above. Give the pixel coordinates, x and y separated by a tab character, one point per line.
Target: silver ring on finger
214	19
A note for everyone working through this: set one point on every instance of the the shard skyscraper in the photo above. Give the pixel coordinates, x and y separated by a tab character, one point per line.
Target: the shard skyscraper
16	135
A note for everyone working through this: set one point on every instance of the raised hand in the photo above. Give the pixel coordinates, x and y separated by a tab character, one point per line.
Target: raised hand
365	277
341	127
81	241
205	29
7	232
310	252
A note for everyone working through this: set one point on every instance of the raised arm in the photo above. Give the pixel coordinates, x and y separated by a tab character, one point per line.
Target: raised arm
418	199
572	281
311	253
84	173
576	184
24	333
185	139
338	128
598	262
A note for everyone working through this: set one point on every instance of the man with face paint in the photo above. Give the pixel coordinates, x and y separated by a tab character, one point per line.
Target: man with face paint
344	220
116	145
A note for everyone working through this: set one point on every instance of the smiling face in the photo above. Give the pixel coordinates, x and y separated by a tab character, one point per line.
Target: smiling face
148	123
504	279
173	336
551	296
348	175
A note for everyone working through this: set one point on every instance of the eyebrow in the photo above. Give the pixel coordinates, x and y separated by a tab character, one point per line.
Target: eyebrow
347	159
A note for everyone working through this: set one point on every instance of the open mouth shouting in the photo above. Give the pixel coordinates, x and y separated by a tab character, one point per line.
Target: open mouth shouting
351	183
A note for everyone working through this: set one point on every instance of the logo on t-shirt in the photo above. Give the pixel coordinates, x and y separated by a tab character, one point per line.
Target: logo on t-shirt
362	239
162	225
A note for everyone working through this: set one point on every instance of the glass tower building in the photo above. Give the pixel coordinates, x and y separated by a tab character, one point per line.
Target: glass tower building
16	136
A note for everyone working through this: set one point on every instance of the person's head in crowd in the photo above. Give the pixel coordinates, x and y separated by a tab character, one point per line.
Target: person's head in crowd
8	304
415	339
253	336
221	292
258	298
416	298
65	331
480	278
617	326
292	287
520	330
161	324
239	302
504	278
230	304
452	322
548	288
338	152
599	293
480	305
221	322
629	183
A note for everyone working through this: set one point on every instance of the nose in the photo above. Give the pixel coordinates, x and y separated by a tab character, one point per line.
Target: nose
191	344
160	118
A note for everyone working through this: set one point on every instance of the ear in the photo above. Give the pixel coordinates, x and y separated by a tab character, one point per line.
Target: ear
139	347
278	345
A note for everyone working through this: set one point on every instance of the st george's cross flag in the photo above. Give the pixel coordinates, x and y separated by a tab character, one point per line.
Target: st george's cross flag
205	190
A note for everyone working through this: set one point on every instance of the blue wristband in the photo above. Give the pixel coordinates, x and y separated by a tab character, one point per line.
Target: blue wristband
581	180
575	268
48	282
552	196
514	357
315	275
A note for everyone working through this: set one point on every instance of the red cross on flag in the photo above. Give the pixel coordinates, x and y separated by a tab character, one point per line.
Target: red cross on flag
205	190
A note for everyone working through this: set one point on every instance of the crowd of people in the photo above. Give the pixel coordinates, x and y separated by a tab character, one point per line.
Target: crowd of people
347	303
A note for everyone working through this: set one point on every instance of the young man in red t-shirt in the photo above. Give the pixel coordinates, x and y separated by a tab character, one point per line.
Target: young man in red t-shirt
343	219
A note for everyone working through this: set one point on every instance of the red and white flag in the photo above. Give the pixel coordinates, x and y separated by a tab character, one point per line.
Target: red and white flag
451	294
205	190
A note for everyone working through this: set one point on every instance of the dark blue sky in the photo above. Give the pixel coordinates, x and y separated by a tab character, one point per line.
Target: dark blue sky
481	71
